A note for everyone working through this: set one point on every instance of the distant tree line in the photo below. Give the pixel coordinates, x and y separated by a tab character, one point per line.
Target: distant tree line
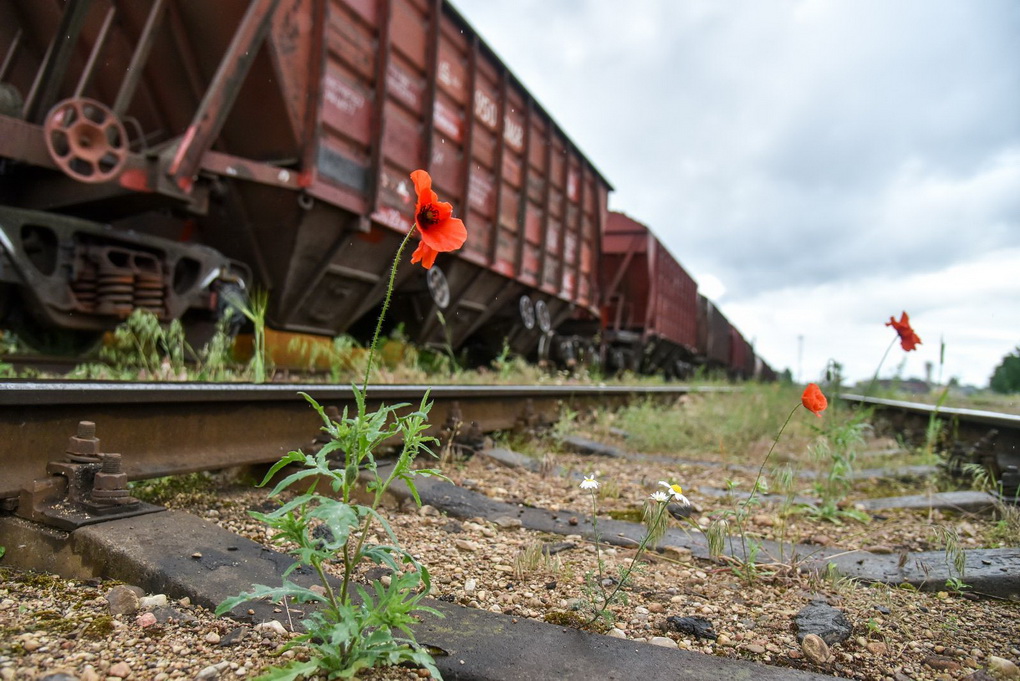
1006	377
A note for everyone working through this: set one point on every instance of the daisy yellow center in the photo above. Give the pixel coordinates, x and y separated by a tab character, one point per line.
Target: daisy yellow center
677	489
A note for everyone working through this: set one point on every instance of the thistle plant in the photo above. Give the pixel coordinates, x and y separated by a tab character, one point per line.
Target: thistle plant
353	627
597	592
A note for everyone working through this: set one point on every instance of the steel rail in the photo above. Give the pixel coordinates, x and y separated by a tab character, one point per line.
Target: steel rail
993	438
176	428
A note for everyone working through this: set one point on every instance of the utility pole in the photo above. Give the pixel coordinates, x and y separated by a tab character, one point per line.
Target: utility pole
800	358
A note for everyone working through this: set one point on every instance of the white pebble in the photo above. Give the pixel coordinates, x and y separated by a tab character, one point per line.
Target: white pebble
272	626
663	641
150	602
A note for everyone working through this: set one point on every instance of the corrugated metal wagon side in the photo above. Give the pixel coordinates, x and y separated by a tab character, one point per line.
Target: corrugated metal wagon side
533	205
282	134
714	338
650	303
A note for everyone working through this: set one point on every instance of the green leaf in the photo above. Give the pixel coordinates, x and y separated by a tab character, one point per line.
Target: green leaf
292	671
291	457
290	590
340	518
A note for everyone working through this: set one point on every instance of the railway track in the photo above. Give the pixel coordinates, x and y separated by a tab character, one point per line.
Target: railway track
165	429
988	438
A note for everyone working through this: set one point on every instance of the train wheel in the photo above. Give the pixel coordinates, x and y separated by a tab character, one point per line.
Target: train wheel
542	316
527	310
439	287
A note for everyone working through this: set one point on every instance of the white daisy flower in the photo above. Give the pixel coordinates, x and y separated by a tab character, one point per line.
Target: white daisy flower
589	482
659	497
675	491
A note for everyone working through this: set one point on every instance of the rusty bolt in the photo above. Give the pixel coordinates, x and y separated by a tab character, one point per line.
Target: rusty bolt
110	485
84	447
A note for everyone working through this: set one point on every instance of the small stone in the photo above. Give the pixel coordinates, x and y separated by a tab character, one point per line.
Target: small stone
212	637
58	676
815	649
616	633
146	619
212	672
763	519
942	664
698	627
150	602
507	522
573	520
470	585
754	648
820	540
1002	668
656	608
123	600
89	674
166	614
427	510
196	555
663	641
466	545
234	636
121	669
30	645
271	627
676	552
723	640
823	620
877	647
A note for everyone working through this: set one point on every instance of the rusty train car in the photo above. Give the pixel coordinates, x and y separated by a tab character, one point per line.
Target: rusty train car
653	318
160	153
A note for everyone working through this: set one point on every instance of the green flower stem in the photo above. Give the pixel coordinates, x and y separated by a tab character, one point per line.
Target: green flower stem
874	378
754	488
385	307
595	530
606	600
330	594
742	516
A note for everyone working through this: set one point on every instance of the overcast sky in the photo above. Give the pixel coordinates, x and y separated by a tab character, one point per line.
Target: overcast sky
816	165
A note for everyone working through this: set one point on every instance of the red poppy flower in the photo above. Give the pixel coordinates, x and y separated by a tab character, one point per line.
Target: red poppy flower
440	231
813	400
908	339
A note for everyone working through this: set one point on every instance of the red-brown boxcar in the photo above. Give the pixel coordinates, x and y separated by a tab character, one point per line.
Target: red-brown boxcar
649	302
282	134
714	338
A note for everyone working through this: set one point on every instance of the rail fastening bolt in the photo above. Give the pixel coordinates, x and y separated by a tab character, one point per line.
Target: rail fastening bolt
84	446
110	484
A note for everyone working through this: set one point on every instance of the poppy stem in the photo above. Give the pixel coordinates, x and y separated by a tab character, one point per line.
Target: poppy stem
874	378
385	307
754	487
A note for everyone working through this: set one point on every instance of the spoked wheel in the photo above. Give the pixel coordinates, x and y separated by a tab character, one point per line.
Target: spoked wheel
86	140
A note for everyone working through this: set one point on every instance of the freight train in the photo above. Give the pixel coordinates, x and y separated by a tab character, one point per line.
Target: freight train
158	154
